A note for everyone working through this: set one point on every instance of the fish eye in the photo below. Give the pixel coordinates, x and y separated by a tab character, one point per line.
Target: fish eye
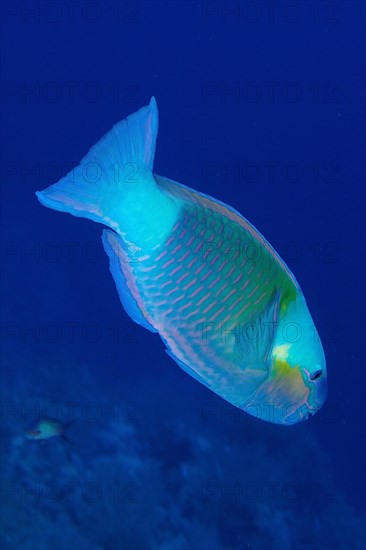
315	375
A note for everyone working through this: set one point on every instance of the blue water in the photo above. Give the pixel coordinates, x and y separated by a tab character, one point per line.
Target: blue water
261	105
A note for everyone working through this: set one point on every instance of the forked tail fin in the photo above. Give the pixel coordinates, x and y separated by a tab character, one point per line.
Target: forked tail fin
96	188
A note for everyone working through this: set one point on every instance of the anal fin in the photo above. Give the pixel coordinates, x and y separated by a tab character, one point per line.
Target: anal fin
124	279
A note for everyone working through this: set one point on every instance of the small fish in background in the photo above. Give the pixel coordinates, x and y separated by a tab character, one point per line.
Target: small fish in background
46	428
184	267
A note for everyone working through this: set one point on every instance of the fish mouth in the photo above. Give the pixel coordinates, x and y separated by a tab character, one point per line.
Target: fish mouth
302	413
299	415
312	404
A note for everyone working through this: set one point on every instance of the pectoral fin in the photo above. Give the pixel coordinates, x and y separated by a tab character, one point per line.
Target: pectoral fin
255	344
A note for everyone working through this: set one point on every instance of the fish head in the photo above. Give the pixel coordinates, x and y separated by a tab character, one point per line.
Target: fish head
296	382
298	372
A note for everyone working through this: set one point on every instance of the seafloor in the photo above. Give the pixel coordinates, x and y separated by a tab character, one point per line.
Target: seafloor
148	466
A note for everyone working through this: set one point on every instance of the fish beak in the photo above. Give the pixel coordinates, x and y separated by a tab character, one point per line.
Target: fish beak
317	398
299	415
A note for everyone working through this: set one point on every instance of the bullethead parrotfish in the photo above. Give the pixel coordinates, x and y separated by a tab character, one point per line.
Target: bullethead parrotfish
44	429
194	270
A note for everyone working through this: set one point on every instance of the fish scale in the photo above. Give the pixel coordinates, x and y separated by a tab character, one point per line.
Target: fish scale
235	284
223	287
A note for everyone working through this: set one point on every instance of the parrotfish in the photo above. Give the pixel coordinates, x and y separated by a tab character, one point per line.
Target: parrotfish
191	268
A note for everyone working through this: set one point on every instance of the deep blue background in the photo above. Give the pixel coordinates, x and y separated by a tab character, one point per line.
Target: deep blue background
238	86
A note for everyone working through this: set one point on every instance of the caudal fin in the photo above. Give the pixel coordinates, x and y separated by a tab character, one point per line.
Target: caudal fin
96	187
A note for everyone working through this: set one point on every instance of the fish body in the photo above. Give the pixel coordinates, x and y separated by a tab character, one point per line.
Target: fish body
44	429
191	268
